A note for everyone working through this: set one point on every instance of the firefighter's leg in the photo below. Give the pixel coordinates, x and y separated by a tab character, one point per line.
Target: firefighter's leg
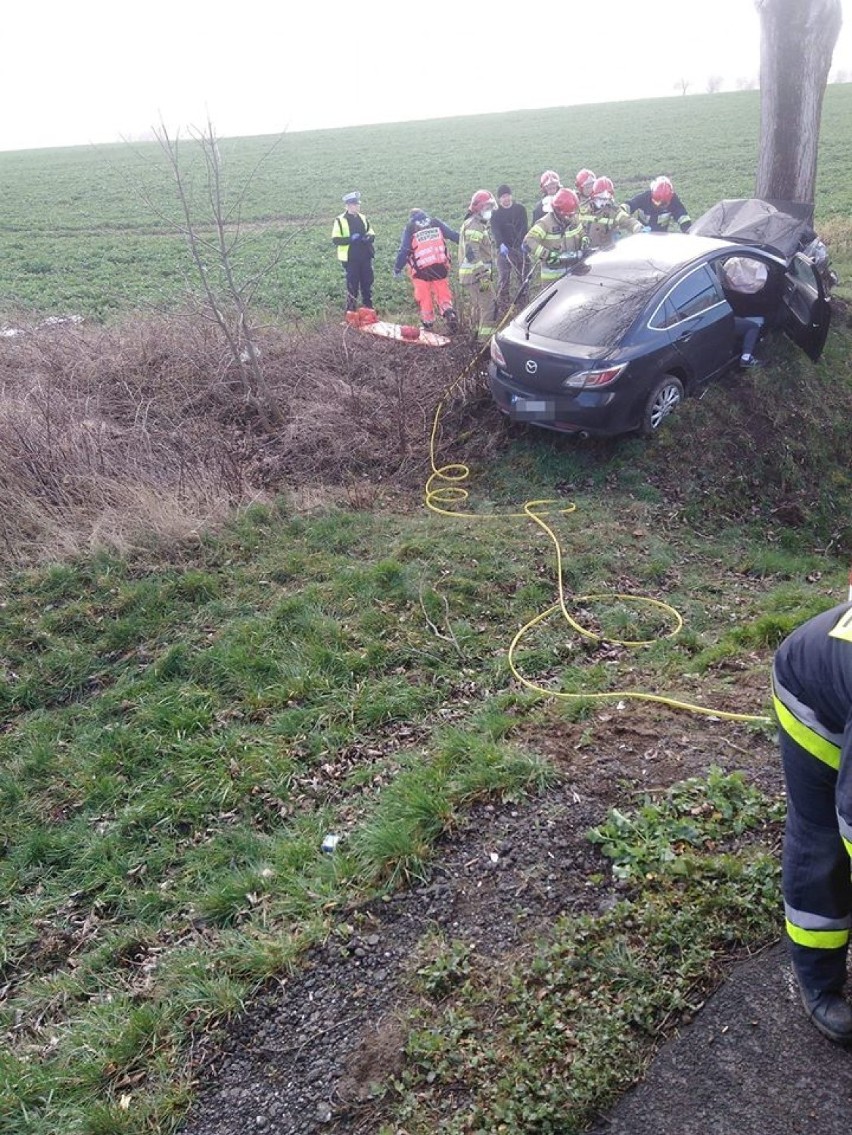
816	871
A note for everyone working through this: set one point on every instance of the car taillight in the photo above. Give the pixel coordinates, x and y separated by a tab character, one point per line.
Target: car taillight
585	378
497	355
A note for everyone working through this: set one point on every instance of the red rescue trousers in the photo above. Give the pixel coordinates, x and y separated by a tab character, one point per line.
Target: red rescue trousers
423	294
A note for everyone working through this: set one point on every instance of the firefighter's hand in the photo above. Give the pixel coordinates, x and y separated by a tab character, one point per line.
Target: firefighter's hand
554	259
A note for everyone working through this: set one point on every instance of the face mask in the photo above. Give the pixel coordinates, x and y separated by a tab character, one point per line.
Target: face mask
486	214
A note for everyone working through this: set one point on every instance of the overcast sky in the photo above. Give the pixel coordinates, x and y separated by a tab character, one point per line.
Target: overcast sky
97	71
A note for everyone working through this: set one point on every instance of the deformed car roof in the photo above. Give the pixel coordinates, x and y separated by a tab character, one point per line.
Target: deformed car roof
780	226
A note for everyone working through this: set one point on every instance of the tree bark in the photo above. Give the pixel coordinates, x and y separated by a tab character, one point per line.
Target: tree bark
797	38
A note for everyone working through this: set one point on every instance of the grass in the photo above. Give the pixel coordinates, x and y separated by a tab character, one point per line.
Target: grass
546	1044
178	739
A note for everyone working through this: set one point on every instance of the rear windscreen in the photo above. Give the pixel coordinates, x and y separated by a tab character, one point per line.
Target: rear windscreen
590	313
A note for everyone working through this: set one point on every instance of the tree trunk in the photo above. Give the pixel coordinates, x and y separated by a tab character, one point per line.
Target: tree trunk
797	38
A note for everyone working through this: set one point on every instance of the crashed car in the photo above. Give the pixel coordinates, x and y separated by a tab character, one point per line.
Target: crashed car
617	343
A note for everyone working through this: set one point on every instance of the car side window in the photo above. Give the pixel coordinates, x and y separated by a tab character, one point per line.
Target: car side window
695	293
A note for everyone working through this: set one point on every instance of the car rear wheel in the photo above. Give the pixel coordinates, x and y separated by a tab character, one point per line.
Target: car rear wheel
663	400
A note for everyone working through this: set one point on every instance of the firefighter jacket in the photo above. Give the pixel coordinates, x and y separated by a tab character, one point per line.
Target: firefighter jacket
424	248
604	225
554	243
812	694
344	228
476	255
659	217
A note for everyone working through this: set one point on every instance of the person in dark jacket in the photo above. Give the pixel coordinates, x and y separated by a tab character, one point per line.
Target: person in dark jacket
812	693
423	249
508	228
659	207
353	236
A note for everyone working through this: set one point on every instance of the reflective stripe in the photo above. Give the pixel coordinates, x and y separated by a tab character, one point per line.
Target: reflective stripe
842	629
817	939
805	920
801	723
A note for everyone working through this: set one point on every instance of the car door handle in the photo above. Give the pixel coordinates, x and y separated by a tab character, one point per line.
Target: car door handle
687	335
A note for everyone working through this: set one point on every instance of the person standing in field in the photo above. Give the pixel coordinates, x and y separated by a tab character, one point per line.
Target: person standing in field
659	207
476	262
353	236
509	227
812	695
423	249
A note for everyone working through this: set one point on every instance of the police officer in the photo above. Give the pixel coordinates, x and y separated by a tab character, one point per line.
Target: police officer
353	235
812	692
476	261
659	207
557	240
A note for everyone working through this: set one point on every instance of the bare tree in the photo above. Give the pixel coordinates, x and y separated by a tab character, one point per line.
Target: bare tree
796	44
714	84
212	239
682	85
746	83
841	76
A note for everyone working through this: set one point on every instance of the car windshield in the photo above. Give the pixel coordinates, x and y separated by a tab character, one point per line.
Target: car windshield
592	312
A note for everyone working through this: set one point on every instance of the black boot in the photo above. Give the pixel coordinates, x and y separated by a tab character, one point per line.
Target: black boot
830	1012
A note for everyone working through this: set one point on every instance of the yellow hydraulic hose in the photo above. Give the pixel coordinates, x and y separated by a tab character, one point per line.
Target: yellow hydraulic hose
444	489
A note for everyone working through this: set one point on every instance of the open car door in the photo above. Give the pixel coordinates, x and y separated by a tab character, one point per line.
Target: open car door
807	311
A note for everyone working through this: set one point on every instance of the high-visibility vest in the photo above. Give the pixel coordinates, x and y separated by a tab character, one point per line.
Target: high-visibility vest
340	228
428	248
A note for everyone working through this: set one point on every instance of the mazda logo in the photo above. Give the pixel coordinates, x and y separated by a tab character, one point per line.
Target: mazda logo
532	366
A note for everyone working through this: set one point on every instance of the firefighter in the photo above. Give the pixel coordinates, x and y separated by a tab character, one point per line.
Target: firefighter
476	261
603	220
659	207
353	235
549	183
423	249
557	240
812	693
583	184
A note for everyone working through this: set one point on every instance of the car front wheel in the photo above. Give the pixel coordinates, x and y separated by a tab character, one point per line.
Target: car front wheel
663	400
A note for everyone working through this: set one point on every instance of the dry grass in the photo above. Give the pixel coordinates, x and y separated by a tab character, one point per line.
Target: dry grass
114	436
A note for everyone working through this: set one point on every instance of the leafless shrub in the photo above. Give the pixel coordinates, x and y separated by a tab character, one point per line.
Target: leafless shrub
114	436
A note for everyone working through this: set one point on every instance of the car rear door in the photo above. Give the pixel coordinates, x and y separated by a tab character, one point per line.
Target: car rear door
699	322
807	312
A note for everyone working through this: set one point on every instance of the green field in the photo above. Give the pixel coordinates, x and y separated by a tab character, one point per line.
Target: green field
86	230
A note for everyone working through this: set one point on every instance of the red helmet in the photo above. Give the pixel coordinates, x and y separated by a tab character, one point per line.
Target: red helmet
603	187
481	200
549	177
662	191
584	181
565	202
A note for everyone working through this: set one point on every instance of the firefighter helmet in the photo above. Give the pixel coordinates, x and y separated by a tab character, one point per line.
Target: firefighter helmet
565	203
662	191
549	177
481	200
603	189
584	181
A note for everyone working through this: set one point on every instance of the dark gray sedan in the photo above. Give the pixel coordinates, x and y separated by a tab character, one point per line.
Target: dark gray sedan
616	344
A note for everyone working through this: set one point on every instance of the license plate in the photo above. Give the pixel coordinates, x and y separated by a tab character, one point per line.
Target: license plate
528	405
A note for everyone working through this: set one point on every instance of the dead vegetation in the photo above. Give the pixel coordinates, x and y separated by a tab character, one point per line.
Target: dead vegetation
114	437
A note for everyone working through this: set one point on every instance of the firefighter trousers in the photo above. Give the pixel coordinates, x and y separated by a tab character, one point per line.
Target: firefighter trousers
816	871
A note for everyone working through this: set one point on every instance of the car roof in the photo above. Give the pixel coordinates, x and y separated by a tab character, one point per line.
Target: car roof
654	254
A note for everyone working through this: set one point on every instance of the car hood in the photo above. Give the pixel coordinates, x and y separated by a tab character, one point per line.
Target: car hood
778	226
